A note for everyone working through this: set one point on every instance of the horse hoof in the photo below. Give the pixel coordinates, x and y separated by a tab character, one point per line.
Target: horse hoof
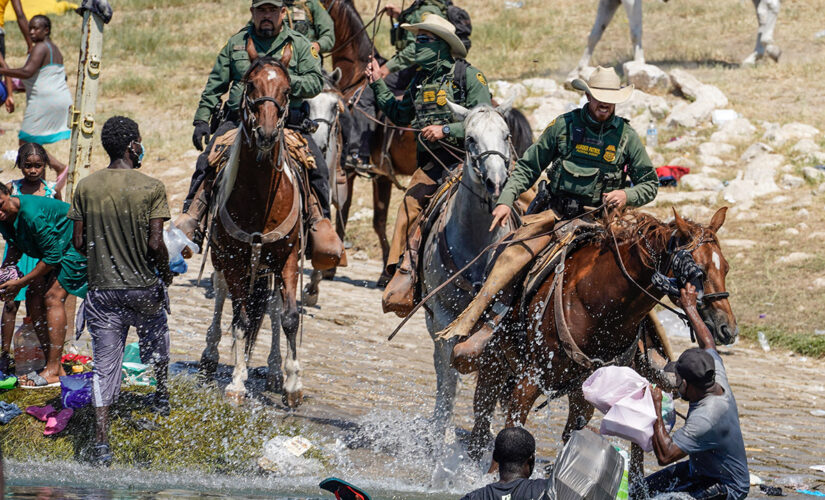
293	399
310	299
207	368
236	397
275	385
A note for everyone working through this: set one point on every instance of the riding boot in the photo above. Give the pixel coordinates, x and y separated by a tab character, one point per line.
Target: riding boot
508	265
467	354
191	221
326	247
399	294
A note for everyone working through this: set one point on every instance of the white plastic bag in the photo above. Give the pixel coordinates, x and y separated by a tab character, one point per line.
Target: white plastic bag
176	241
632	418
610	384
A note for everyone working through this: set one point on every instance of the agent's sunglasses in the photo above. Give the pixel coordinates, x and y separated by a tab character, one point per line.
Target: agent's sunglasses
424	39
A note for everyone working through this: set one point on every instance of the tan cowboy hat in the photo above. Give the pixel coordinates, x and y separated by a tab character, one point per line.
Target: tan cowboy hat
441	28
605	86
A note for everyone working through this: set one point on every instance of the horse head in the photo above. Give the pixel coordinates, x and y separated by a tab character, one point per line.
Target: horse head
265	101
487	141
325	108
703	245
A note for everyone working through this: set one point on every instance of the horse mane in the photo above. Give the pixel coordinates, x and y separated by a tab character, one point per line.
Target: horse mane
353	19
644	231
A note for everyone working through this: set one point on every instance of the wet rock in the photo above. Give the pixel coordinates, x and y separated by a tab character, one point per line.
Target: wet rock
794	258
690	115
700	182
813	174
791	181
540	86
716	149
646	77
503	90
790	132
640	102
735	131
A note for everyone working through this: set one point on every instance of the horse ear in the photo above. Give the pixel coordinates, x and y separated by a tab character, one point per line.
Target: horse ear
718	219
459	111
506	106
250	49
287	55
681	225
336	75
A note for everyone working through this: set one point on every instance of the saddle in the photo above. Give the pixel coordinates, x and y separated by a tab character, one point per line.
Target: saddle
219	156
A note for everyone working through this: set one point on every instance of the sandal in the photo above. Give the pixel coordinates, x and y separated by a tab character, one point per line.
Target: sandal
41	413
57	422
39	381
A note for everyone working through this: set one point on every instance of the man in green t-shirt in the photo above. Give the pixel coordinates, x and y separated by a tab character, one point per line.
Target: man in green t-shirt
118	216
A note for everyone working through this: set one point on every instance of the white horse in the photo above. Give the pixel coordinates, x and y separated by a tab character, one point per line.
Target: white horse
766	13
467	218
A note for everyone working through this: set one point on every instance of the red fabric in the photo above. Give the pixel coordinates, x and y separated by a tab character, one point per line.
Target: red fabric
672	171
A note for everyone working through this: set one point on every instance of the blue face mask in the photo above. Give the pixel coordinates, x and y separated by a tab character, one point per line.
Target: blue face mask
140	156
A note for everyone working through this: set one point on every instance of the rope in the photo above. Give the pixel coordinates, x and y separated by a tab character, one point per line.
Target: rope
489	247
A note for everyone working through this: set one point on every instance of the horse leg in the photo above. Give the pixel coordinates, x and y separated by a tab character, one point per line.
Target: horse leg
446	382
603	16
275	377
489	385
293	388
236	390
311	290
634	15
210	356
524	395
381	193
579	413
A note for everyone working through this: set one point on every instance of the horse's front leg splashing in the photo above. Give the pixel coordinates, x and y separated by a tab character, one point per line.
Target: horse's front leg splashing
236	390
210	357
275	377
290	320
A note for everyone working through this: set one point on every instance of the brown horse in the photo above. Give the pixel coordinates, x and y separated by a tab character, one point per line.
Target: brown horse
256	232
595	319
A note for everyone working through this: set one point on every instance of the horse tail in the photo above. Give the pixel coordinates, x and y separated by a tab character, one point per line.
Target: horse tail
521	132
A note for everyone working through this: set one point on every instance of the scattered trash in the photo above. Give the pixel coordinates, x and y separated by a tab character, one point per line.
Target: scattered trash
763	316
7	381
756	480
137	374
513	5
811	493
763	341
720	116
818	413
281	460
820	34
298	445
8	411
652	135
771	491
820	468
819	332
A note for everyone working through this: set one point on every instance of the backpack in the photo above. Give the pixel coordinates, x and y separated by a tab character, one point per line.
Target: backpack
457	16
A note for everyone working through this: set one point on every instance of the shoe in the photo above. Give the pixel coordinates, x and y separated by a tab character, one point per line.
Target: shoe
102	456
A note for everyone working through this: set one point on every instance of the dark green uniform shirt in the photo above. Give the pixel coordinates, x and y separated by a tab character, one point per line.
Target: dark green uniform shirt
425	100
310	18
587	160
405	40
233	61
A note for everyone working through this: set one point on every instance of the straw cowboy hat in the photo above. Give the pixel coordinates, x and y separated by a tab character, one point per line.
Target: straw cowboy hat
605	86
441	28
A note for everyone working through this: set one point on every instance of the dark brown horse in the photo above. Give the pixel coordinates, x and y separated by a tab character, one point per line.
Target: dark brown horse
595	319
256	234
351	54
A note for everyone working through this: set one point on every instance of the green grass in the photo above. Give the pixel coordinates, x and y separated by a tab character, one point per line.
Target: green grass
204	431
806	344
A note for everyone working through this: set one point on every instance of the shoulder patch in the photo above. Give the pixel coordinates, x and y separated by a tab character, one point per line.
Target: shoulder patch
481	78
552	122
314	51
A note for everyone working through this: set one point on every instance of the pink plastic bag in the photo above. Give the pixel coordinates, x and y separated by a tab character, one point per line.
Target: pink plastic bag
632	418
610	384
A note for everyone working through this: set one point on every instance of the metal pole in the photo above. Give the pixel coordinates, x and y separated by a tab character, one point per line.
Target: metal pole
82	114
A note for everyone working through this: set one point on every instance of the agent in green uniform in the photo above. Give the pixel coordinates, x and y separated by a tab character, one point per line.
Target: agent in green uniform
590	155
310	18
270	36
444	76
397	73
38	227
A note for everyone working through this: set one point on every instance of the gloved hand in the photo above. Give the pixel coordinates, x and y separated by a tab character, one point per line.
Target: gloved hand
201	135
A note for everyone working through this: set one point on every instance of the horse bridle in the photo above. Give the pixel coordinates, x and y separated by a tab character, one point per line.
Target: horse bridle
476	159
248	104
704	300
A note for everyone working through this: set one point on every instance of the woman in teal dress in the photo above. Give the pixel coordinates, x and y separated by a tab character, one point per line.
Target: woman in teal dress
32	160
38	226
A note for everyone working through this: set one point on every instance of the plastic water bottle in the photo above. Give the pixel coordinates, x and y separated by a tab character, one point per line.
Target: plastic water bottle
763	341
652	135
28	354
624	486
